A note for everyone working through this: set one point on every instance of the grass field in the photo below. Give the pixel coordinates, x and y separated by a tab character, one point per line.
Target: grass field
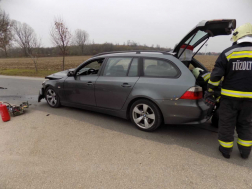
49	65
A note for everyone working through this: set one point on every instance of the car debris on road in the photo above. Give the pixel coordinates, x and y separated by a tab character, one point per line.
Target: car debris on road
13	110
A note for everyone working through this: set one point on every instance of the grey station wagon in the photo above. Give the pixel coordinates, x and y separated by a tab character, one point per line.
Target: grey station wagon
149	88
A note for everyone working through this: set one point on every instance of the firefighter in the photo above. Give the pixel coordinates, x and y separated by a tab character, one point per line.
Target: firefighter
235	64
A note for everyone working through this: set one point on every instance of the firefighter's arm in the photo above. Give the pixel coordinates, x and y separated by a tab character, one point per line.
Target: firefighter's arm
214	81
218	72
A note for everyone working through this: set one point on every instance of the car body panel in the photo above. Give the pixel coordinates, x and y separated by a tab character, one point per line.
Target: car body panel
58	75
162	88
116	113
80	89
112	92
57	84
183	111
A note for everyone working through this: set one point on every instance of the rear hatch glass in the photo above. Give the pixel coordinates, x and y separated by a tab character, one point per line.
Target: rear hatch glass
204	30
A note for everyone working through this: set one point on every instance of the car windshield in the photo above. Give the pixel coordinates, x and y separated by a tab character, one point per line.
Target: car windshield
196	38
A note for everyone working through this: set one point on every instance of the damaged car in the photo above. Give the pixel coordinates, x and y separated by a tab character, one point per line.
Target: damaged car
149	88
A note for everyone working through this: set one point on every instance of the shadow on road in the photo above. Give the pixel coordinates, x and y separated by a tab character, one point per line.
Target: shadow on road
199	138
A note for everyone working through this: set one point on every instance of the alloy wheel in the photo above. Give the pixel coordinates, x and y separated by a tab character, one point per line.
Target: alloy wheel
51	97
143	116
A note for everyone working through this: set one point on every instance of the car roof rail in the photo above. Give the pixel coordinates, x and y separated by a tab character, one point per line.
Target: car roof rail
136	51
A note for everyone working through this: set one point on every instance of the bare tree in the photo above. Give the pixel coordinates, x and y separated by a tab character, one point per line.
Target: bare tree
33	51
5	32
80	39
27	39
23	35
61	37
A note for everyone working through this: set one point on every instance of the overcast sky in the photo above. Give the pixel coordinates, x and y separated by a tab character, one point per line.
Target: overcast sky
162	22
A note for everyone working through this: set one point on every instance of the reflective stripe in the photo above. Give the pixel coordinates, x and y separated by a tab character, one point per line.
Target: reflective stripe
240	54
238	50
214	83
237	94
206	76
246	143
226	144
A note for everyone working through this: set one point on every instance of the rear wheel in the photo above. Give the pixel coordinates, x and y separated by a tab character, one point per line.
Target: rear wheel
145	115
52	97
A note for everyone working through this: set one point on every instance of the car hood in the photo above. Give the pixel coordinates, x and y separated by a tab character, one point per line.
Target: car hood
59	75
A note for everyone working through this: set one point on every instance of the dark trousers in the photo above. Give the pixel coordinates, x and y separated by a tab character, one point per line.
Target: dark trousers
235	113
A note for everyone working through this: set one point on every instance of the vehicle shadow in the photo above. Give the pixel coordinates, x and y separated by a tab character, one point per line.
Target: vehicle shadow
198	138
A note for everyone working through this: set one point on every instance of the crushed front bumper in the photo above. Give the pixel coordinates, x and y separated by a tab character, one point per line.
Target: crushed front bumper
41	94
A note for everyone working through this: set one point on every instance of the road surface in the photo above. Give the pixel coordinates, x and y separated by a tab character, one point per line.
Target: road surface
72	148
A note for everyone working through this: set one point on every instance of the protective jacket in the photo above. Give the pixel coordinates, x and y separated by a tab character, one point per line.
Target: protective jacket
235	64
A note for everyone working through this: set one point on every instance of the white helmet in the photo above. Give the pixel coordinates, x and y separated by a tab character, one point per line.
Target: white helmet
242	31
196	72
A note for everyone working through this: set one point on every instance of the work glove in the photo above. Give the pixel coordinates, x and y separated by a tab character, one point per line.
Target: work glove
210	98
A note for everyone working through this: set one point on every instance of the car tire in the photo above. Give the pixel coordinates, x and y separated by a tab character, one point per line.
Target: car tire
215	119
145	115
52	98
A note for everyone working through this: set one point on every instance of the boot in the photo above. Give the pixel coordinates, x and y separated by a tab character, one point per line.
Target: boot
225	155
244	151
244	156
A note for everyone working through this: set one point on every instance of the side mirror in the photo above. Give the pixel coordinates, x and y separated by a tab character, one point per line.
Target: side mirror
70	73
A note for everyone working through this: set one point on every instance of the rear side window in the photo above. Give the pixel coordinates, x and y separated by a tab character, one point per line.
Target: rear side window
159	68
117	67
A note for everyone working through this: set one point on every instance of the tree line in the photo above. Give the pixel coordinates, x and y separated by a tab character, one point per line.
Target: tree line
20	40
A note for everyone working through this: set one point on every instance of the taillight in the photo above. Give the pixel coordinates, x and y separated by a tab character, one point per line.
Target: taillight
194	93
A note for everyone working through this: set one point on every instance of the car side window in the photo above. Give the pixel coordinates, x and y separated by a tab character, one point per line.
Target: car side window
91	69
159	68
117	67
133	71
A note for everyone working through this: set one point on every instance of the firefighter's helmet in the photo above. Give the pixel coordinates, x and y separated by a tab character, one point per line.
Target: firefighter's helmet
196	72
242	31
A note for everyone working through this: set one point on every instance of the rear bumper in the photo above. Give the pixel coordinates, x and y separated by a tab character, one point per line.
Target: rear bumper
183	111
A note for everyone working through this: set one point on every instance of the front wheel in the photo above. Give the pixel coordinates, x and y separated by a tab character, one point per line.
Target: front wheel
52	97
145	115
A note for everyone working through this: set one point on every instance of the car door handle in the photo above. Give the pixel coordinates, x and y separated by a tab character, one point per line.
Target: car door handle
126	85
90	83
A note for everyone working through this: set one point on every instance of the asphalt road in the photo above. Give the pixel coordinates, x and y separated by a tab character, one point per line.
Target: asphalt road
72	148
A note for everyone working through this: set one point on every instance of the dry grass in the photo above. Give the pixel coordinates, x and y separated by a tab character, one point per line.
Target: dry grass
48	65
207	60
45	63
27	72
